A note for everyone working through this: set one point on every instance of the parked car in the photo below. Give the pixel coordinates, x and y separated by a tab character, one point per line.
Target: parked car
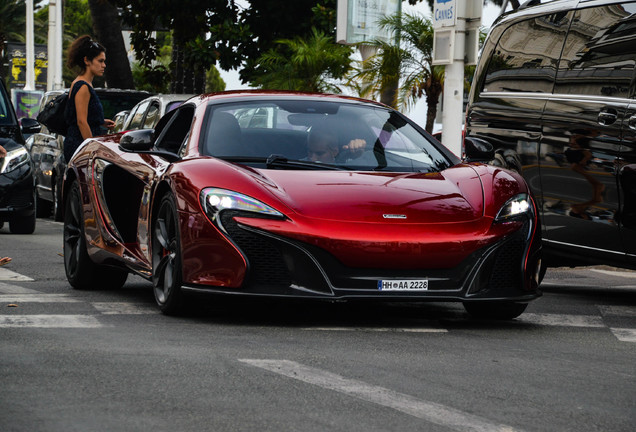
202	204
46	148
17	196
146	114
554	94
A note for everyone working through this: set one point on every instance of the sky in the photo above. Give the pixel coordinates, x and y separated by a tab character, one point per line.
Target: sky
416	113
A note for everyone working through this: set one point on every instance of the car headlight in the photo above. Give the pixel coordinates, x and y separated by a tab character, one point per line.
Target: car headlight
516	206
216	200
14	159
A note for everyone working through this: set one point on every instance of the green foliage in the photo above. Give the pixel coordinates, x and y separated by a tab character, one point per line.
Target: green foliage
213	81
304	64
408	63
77	19
265	22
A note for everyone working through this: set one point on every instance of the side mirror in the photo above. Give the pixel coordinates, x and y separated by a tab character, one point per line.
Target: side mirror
478	150
138	140
30	126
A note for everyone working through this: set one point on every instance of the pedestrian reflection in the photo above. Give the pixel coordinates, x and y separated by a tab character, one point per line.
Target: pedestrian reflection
579	157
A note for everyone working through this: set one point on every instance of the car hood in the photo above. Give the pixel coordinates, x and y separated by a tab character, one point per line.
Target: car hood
454	195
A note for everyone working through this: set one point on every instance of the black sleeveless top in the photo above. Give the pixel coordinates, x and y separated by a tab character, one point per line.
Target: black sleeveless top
95	119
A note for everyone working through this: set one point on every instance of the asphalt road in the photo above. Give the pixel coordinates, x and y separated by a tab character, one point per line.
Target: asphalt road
109	361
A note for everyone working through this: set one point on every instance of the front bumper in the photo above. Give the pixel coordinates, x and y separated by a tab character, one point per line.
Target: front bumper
278	266
17	193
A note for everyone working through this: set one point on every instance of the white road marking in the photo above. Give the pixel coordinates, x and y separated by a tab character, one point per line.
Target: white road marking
624	274
115	308
621	311
562	320
429	411
8	275
624	334
35	298
49	321
14	289
379	329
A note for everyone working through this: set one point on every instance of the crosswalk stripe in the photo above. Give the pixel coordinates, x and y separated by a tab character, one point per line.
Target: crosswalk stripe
121	308
617	311
624	334
14	289
34	298
625	274
562	320
379	329
8	275
49	321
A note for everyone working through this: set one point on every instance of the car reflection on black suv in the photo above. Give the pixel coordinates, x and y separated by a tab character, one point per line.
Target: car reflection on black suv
554	94
47	151
17	199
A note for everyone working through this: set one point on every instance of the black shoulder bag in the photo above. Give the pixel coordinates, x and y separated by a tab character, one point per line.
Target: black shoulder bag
52	115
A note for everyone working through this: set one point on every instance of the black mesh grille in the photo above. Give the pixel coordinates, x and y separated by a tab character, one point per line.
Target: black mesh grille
265	260
507	268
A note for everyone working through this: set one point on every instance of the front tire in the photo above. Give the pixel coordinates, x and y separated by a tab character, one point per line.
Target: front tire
24	224
495	310
166	258
81	271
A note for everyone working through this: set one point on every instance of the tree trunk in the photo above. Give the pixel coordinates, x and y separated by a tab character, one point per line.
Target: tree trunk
388	95
107	28
186	78
433	93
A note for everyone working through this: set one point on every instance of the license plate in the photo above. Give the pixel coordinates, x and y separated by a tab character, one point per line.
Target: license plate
403	285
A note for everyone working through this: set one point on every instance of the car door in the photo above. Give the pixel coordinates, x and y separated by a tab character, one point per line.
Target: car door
626	171
581	134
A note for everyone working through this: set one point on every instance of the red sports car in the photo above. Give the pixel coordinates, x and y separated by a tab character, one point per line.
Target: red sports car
298	195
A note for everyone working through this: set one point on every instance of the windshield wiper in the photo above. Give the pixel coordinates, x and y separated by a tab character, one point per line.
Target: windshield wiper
278	161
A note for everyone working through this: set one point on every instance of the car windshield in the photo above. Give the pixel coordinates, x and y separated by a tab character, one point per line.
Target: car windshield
310	134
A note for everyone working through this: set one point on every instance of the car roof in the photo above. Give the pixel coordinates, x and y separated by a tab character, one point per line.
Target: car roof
280	94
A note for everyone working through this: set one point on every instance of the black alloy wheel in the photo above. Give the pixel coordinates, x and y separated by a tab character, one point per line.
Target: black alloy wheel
81	271
166	258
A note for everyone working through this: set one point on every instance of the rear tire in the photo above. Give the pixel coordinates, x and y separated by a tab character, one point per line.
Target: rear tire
495	310
81	271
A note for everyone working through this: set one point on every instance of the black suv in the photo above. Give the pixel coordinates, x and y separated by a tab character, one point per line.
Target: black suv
554	93
17	197
47	151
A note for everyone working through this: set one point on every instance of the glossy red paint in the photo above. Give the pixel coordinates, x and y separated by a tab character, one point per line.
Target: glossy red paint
403	221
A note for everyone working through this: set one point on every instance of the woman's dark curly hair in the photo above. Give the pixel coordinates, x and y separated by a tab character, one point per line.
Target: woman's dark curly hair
83	46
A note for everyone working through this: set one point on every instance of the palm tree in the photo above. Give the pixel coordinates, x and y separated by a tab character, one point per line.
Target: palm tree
12	22
107	27
305	64
406	67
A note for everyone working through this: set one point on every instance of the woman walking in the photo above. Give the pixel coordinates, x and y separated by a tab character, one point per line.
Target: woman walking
84	112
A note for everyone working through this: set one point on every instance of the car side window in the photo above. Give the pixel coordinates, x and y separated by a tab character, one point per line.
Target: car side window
525	58
138	116
600	52
152	116
176	130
